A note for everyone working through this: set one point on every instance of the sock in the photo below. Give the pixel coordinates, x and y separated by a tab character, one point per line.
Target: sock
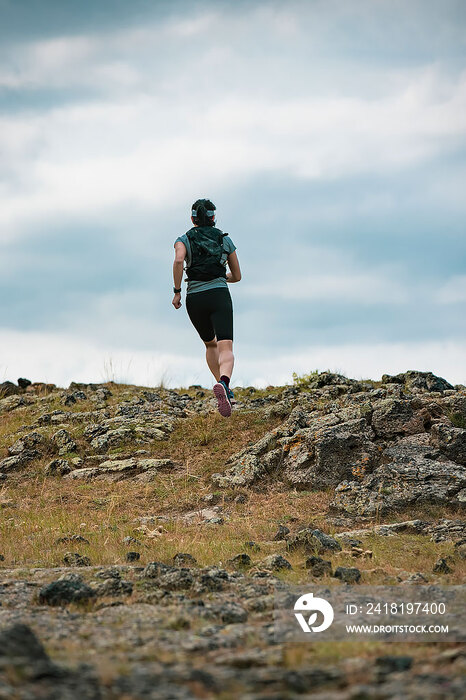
225	379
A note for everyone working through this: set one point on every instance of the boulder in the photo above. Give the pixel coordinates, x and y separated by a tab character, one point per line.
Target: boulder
32	442
318	567
392	417
410	477
312	541
64	442
65	591
420	381
275	562
451	441
347	574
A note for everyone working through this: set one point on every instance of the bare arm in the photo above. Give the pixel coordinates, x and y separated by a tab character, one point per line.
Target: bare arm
233	263
180	254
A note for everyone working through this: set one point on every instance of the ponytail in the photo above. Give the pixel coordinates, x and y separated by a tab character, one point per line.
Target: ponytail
203	212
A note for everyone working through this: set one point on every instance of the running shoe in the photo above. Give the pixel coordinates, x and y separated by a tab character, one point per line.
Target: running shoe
223	394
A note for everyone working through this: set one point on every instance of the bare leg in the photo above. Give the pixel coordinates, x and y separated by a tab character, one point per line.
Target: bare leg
211	355
226	358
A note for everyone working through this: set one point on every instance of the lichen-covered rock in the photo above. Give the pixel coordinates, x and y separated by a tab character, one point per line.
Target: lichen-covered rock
184	560
318	567
76	559
392	417
451	441
17	461
115	470
65	591
409	478
32	443
64	442
347	574
329	454
10	403
420	381
275	562
58	467
311	540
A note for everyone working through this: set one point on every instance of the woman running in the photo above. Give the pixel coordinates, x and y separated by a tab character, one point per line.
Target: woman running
207	250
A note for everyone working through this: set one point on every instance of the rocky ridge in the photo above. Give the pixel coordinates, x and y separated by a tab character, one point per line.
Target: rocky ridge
174	628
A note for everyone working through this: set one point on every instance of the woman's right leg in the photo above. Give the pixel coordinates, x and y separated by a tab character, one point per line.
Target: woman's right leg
226	359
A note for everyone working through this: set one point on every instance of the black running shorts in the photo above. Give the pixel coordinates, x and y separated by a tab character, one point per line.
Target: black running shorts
211	313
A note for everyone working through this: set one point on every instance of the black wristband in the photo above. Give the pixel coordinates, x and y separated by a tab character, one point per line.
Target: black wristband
177	291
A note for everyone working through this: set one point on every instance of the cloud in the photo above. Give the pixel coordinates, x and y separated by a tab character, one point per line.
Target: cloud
330	135
453	291
62	358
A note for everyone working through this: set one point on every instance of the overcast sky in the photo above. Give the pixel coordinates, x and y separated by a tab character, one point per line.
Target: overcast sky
329	133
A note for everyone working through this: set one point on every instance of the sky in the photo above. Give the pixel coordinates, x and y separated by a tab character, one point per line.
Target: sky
329	133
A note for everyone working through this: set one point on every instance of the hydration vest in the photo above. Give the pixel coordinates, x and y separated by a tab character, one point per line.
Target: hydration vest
206	253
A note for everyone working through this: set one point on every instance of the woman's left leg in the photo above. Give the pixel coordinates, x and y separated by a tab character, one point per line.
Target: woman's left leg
212	357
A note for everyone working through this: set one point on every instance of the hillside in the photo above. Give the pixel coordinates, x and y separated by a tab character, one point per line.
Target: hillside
143	536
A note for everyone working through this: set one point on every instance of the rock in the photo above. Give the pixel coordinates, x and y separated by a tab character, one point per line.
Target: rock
246	473
276	562
441	567
131	540
64	442
132	556
70	399
116	470
8	389
63	592
76	559
312	541
410	477
210	580
347	574
240	561
331	453
112	587
447	529
155	569
10	403
392	417
392	664
281	533
24	383
58	467
31	442
450	441
318	567
176	580
203	515
17	461
247	466
110	572
417	578
232	613
182	559
460	549
23	655
423	381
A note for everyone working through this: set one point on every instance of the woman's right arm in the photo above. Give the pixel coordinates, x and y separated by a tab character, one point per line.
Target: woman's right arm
233	263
